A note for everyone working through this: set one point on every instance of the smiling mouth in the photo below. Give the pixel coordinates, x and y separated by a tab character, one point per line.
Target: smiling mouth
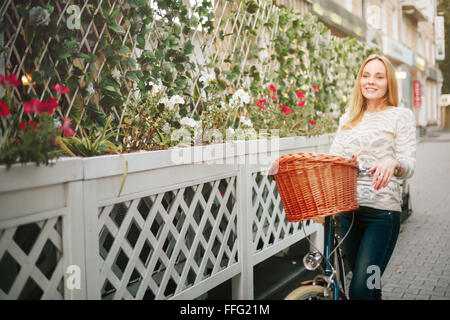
371	89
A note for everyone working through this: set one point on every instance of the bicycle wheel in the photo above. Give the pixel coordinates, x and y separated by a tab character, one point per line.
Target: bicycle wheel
309	292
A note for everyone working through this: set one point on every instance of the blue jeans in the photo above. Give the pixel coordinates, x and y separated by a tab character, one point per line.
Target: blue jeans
368	248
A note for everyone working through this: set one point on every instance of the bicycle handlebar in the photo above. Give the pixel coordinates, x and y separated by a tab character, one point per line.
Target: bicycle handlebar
363	171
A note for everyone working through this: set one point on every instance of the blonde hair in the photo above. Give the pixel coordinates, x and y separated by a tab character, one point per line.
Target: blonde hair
357	105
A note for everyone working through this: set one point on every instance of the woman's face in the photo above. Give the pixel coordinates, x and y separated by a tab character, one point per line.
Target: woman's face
373	81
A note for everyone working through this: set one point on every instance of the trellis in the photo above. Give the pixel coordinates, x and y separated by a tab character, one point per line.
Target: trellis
88	37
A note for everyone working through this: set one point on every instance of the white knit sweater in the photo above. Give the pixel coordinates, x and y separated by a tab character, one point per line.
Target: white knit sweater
387	133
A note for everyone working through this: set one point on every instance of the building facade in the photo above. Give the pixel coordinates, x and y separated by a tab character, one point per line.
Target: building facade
405	31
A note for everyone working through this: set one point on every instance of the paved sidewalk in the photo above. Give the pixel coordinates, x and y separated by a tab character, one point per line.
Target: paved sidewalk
420	265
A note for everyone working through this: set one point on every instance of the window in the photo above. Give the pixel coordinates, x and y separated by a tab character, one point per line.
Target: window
348	5
395	24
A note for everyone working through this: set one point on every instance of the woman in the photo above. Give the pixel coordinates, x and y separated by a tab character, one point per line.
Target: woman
383	138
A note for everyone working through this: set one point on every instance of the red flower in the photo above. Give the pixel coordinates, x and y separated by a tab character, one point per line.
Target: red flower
285	109
32	123
300	94
60	89
272	88
4	109
9	80
22	125
315	88
50	104
33	106
313	122
274	98
259	105
301	103
66	128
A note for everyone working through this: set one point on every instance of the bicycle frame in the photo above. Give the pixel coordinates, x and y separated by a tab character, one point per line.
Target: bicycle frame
329	230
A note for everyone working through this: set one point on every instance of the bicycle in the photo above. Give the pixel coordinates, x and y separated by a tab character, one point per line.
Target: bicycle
330	284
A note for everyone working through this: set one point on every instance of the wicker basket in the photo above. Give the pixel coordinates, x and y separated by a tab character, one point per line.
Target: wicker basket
315	185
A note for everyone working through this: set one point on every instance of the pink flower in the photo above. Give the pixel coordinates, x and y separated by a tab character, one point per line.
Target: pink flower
60	89
301	103
274	98
300	94
4	109
272	88
313	122
315	88
66	128
9	80
50	104
33	106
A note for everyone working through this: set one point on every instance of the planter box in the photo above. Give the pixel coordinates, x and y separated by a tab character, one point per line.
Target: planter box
185	221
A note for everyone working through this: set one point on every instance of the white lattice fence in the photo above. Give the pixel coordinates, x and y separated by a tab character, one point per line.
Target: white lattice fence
270	225
160	245
31	263
175	232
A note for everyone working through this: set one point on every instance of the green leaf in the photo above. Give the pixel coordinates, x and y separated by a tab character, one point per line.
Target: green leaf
188	48
71	44
82	55
252	7
36	76
63	55
114	14
124	51
131	75
141	41
49	8
116	28
111	88
129	63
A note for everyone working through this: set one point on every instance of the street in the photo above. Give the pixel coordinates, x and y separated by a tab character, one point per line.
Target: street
420	266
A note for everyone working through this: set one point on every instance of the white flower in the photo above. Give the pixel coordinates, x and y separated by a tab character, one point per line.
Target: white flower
90	88
164	100
246	122
166	128
167	102
56	123
189	122
116	74
206	79
230	133
155	90
239	98
176	99
319	113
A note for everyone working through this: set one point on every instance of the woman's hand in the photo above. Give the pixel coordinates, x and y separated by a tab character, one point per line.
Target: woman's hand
383	172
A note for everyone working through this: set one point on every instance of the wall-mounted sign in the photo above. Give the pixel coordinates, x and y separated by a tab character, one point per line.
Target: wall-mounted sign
445	100
440	37
419	62
417	93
